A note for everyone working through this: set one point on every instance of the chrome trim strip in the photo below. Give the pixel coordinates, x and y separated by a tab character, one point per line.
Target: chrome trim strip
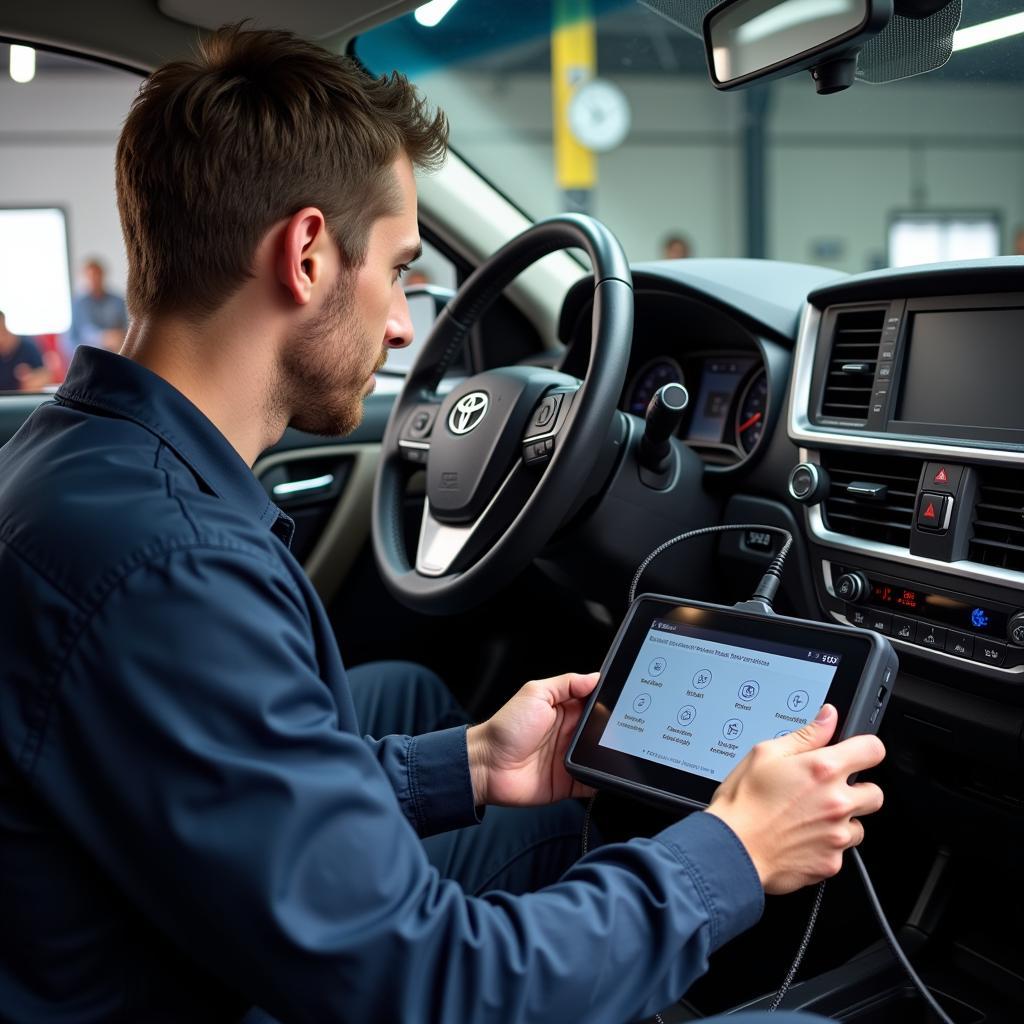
422	445
842	542
316	483
802	431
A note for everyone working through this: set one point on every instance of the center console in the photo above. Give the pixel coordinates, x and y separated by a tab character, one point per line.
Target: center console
907	412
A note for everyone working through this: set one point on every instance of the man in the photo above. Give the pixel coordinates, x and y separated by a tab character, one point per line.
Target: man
191	822
676	247
21	362
98	317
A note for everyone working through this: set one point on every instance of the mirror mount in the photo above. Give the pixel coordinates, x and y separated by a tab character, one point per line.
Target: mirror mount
836	74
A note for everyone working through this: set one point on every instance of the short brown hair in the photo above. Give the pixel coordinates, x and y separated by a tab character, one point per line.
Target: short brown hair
261	124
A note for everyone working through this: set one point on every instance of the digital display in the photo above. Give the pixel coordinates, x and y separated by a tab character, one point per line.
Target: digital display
718	383
698	700
964	369
961	614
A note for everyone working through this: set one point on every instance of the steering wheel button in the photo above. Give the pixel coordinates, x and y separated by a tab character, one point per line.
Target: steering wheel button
546	413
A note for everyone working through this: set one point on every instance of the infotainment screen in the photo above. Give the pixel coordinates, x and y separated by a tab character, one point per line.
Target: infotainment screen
964	369
700	699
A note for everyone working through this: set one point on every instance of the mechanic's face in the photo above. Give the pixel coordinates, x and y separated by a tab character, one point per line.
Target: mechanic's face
331	366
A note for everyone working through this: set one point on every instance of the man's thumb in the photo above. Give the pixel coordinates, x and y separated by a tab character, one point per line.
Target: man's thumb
814	734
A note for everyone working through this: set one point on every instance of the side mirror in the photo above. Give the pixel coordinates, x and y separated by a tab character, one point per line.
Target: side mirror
753	40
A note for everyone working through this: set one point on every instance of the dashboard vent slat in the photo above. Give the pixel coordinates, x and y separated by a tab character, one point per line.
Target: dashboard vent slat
998	528
851	364
889	520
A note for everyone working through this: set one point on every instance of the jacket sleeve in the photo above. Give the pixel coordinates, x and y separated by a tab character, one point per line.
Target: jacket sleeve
195	753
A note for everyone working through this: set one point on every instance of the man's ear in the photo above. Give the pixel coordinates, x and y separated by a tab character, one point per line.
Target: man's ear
300	259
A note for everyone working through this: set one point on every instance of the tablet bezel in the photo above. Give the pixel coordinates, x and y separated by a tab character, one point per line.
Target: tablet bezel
662	782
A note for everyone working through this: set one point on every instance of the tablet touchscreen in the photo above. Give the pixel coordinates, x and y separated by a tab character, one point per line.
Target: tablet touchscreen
700	699
688	689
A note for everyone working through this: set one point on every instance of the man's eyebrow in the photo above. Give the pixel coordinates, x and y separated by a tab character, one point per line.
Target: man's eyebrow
410	253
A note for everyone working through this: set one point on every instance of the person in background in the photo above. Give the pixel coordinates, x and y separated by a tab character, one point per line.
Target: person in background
676	247
21	362
98	317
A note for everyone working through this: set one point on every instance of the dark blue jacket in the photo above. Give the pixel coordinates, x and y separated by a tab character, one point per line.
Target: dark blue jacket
190	822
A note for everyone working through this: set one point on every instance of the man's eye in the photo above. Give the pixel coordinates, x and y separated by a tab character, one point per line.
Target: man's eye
402	270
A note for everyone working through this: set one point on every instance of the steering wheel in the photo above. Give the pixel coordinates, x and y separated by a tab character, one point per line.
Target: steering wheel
506	452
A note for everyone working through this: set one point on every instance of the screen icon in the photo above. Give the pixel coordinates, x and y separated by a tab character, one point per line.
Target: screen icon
686	715
732	729
702	678
798	700
657	666
749	690
641	702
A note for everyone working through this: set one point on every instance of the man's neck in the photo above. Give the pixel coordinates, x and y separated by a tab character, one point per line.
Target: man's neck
226	375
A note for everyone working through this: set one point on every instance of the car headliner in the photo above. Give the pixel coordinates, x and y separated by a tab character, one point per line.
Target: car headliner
144	33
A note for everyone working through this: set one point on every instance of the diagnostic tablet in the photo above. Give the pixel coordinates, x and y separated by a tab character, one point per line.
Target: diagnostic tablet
688	688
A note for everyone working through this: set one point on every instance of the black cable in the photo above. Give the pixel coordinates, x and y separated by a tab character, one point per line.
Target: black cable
812	920
894	944
774	570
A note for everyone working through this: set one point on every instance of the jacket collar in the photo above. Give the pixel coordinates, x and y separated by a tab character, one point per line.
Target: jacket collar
105	381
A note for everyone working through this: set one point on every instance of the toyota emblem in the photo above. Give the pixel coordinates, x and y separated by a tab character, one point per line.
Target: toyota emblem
468	411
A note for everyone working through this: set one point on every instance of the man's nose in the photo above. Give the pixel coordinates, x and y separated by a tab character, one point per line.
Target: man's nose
398	330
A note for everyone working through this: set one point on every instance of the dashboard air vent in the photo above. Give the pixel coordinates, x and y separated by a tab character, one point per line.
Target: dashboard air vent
871	496
998	537
851	364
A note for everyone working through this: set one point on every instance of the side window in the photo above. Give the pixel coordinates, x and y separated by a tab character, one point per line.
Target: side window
62	262
433	267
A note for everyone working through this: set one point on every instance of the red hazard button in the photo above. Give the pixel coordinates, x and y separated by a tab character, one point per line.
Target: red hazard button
934	512
941	477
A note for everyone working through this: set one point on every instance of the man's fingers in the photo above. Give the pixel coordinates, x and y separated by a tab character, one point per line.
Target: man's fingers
571	684
857	754
856	833
867	798
813	735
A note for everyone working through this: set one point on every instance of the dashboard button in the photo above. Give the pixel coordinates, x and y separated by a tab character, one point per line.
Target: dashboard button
904	629
857	616
931	636
990	652
960	644
942	476
880	622
934	511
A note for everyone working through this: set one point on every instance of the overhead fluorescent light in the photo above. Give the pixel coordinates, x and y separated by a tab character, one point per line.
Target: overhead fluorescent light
988	32
430	14
23	63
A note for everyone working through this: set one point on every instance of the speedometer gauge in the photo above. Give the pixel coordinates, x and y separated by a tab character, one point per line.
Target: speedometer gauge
751	411
651	376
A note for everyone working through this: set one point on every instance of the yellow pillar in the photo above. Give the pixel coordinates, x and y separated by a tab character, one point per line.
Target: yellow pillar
573	63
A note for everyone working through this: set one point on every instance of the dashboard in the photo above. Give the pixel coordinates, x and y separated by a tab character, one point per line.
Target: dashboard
877	416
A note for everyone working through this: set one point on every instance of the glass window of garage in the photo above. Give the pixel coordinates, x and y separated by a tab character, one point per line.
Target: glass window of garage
62	262
605	106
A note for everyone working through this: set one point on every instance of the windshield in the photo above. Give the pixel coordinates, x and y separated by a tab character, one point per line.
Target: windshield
606	107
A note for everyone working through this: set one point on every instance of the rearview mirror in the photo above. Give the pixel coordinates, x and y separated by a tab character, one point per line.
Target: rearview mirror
753	40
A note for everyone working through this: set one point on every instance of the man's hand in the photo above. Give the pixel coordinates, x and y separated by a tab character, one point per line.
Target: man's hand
516	757
790	803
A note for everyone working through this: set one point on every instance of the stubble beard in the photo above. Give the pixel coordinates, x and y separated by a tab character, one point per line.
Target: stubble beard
325	368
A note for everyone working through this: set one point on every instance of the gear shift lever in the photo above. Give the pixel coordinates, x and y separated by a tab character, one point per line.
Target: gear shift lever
663	416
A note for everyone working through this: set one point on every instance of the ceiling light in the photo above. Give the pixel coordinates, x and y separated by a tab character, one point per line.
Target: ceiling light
430	14
988	32
23	63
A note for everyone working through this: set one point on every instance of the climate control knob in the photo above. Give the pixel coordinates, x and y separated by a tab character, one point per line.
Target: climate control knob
1015	628
852	587
808	483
